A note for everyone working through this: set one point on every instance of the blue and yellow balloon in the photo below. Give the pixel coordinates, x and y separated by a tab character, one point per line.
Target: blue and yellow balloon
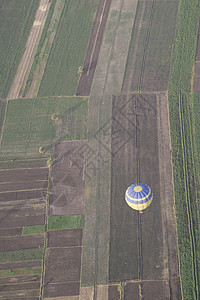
139	196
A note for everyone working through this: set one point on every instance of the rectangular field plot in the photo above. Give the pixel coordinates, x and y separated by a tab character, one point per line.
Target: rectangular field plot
16	18
69	48
149	56
67	180
62	272
135	240
33	125
63	238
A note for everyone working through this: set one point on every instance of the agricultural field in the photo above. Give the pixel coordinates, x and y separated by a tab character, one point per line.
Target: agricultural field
16	19
69	48
66	160
184	138
148	63
57	119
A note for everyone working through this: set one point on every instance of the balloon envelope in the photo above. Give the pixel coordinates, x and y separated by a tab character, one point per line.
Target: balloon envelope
139	196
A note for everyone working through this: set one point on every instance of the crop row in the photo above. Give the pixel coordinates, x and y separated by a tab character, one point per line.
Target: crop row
68	49
15	28
184	157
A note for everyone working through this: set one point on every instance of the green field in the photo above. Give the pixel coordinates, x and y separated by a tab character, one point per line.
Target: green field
184	127
68	49
16	19
44	46
151	43
37	229
65	222
21	255
36	124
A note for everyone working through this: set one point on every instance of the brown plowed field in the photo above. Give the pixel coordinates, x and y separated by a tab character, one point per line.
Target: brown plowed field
62	271
22	211
62	289
92	54
20	279
10	222
67	179
113	293
23	286
23	175
11	232
20	294
64	238
132	291
22	195
22	242
15	186
63	264
21	264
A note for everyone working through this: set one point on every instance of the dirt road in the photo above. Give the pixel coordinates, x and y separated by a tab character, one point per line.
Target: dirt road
21	76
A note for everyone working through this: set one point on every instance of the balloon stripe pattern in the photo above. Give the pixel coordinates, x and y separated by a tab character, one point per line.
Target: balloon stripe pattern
139	196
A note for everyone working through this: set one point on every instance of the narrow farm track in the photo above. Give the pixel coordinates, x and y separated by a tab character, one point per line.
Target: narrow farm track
183	114
21	76
145	46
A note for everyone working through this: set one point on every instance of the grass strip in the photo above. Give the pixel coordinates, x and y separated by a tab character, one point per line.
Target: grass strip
20	272
21	255
183	155
29	230
65	222
43	49
16	19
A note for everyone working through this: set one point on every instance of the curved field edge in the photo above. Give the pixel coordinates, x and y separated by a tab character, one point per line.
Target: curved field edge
184	156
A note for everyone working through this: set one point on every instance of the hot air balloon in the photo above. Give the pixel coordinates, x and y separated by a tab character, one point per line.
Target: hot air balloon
139	196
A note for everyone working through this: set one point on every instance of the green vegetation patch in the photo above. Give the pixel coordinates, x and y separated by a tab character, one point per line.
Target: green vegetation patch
20	272
37	229
65	222
45	43
183	130
36	124
21	255
68	49
16	19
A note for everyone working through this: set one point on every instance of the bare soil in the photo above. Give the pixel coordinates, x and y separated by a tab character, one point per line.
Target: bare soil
113	293
22	195
21	264
152	290
132	291
11	232
20	279
63	238
23	175
92	54
10	222
67	179
62	271
196	79
23	286
22	242
62	289
63	264
29	185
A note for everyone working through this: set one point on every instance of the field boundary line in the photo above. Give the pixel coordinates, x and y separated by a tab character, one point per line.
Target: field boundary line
128	88
97	33
4	121
187	194
25	64
145	46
